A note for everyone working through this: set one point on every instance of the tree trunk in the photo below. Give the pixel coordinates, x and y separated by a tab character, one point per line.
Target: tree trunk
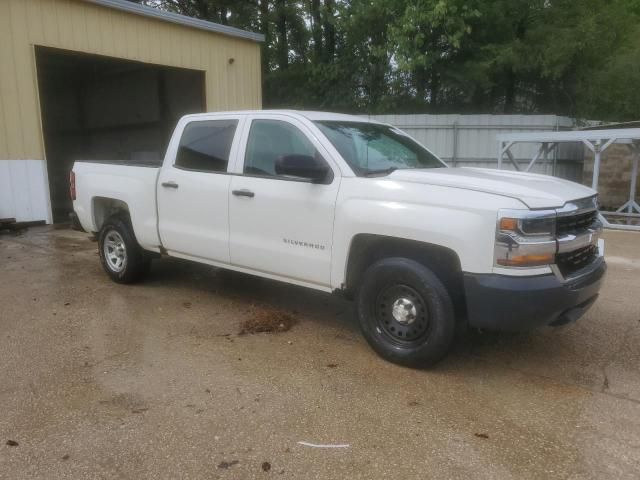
329	30
264	28
510	92
202	6
420	82
378	68
316	28
264	18
434	89
281	28
223	15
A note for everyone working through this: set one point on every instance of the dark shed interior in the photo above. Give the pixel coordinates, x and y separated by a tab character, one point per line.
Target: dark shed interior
103	108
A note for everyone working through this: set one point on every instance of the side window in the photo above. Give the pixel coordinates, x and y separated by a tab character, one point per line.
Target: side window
270	140
205	145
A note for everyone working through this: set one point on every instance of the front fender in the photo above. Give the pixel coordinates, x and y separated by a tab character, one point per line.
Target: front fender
460	220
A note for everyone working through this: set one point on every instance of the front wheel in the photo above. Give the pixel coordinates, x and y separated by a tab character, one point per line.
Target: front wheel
405	312
121	256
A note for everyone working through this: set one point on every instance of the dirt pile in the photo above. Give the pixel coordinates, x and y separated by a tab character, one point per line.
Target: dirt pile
267	320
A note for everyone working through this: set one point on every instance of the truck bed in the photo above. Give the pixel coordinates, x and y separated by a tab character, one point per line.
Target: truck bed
133	185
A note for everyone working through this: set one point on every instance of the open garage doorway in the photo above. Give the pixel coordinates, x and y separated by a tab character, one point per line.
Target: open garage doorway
103	108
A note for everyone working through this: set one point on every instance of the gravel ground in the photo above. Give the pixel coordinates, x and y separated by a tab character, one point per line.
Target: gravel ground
99	380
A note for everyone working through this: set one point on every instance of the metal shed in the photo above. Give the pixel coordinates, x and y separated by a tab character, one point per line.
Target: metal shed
105	79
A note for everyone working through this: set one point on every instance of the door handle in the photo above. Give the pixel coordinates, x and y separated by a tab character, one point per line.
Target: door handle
170	184
243	193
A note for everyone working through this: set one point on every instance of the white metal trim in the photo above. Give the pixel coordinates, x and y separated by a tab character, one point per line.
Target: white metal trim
571	136
631	204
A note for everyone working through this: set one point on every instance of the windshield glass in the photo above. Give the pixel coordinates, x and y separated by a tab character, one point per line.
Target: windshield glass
371	148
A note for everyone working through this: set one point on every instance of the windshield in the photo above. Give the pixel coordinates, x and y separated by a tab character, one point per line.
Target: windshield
371	148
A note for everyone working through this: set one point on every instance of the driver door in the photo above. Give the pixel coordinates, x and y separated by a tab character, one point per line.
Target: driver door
281	225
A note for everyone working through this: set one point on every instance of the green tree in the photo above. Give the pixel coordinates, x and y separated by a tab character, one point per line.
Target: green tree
571	57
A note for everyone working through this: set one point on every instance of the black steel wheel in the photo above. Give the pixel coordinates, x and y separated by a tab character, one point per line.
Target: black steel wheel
402	314
405	312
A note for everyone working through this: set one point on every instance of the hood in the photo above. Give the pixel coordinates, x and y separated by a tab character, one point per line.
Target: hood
534	190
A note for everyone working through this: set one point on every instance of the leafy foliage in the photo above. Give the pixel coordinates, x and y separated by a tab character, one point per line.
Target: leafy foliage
572	57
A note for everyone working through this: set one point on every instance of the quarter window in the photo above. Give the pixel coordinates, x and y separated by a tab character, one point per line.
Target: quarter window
205	145
270	140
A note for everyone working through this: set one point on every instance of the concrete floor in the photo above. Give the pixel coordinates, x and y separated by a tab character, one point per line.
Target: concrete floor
99	380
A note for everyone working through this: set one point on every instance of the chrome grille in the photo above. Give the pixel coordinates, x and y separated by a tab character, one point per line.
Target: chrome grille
575	223
572	261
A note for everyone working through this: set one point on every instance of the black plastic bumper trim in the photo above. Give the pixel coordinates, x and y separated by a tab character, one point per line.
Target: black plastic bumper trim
509	303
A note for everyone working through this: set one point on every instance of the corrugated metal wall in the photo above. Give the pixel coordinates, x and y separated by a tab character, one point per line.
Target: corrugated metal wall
470	140
24	192
84	27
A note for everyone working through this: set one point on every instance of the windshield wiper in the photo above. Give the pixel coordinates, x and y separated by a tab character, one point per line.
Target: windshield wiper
382	171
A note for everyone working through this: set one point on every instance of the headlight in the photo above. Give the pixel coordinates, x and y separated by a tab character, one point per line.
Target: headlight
525	238
535	225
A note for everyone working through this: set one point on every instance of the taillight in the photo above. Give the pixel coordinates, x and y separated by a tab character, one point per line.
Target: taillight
72	185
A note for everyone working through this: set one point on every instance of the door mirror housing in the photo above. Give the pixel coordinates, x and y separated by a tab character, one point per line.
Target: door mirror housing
304	166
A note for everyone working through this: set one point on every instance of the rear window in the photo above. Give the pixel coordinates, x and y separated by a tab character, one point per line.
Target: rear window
205	145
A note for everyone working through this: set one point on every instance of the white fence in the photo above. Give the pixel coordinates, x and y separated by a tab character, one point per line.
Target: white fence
470	140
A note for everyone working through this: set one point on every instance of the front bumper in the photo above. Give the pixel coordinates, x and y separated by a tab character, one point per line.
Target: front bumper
500	302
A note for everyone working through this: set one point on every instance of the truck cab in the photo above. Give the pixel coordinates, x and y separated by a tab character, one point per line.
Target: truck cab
343	204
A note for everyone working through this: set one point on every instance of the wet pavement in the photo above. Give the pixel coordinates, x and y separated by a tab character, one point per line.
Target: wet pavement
99	380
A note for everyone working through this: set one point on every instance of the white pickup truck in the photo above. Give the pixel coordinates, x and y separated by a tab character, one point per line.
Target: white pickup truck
343	204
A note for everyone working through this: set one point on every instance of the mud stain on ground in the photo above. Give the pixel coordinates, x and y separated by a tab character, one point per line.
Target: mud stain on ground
263	319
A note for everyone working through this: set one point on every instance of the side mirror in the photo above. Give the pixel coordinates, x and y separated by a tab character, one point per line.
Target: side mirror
303	166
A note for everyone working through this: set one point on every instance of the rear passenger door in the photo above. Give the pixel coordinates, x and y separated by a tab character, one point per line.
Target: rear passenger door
193	189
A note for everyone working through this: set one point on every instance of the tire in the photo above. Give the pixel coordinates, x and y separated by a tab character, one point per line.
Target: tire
121	256
405	312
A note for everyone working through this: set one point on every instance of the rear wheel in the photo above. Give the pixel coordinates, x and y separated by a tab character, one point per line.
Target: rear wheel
405	312
121	256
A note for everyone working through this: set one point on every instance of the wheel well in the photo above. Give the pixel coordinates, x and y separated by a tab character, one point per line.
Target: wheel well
367	249
103	208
